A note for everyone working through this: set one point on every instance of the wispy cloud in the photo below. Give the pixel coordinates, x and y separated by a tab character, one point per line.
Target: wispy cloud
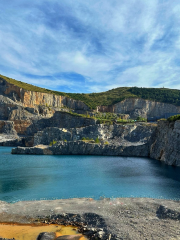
88	46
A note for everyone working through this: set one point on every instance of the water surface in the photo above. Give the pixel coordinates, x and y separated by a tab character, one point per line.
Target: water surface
33	177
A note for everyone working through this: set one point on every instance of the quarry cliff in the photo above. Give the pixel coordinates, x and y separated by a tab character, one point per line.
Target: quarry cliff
20	101
33	99
32	118
158	141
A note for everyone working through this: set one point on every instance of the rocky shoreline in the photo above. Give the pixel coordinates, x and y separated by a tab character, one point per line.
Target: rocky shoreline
158	141
85	148
113	219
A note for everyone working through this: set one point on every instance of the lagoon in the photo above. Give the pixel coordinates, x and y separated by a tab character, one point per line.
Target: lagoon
35	177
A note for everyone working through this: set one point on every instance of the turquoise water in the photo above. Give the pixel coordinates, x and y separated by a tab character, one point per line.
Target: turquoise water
31	177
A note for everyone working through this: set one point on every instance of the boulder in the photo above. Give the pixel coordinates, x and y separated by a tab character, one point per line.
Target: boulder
46	236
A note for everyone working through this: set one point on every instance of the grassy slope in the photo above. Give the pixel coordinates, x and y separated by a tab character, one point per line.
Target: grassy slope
110	97
30	87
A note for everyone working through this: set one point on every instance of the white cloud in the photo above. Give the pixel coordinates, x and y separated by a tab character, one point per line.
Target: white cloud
110	43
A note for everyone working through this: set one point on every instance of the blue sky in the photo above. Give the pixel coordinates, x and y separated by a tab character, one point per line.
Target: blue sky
91	46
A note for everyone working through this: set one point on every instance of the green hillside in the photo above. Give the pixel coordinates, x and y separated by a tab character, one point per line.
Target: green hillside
110	97
30	87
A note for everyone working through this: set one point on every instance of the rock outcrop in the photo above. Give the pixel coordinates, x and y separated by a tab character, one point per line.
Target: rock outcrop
159	142
7	127
31	118
113	134
116	140
86	148
166	146
60	120
139	107
32	99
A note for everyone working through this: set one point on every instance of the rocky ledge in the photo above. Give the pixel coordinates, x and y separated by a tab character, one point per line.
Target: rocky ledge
158	141
87	148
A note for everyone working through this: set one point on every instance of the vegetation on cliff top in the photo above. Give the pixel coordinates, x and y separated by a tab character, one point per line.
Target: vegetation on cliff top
110	97
30	87
174	118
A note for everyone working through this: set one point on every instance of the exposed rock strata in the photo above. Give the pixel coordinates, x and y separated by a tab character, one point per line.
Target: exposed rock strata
145	140
33	99
85	148
117	140
166	146
139	107
43	103
60	120
7	127
14	141
138	132
27	128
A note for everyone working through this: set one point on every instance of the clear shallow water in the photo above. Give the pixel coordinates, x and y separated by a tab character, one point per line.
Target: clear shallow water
31	177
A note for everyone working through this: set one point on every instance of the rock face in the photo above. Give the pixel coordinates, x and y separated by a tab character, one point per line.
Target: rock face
7	127
60	120
159	141
27	128
166	146
114	134
116	140
32	99
84	148
32	118
139	107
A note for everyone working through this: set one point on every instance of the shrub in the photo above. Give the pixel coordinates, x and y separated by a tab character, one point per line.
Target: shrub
141	119
97	140
87	139
174	118
65	140
106	142
52	143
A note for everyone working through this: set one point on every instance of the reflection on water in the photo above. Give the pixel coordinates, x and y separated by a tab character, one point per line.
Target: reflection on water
29	177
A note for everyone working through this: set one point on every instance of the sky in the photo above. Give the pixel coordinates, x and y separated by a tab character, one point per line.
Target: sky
91	46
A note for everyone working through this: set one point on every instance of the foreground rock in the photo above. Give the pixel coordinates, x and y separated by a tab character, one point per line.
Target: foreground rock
51	236
121	218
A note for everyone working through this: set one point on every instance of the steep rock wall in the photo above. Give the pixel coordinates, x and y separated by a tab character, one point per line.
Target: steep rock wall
166	146
140	107
33	99
60	120
113	134
7	127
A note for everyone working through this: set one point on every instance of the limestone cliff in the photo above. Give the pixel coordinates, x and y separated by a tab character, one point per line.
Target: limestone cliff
158	141
59	120
138	133
139	107
18	103
33	99
117	140
166	146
